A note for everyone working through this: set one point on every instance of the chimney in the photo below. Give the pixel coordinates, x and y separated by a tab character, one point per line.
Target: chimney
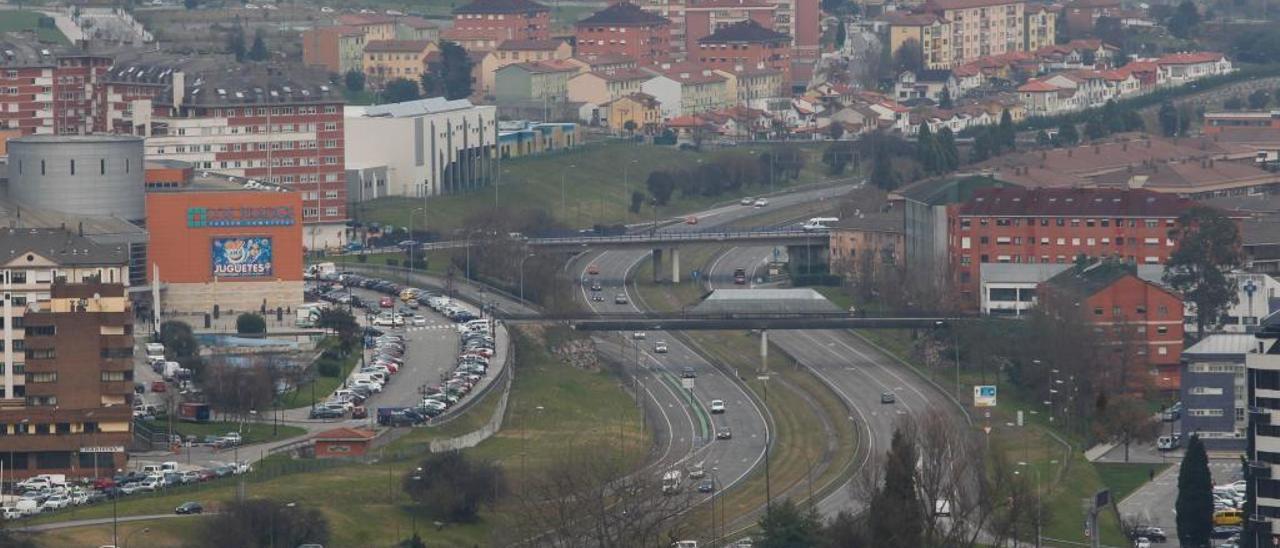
179	81
80	230
1070	152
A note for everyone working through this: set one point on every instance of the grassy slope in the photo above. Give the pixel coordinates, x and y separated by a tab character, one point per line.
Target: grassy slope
369	514
300	396
29	20
594	187
1123	478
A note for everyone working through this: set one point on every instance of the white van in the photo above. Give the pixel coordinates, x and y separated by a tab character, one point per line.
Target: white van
155	349
819	223
671	482
28	507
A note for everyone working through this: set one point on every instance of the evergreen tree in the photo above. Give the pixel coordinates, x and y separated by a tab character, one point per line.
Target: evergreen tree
400	90
1194	506
235	43
944	100
927	150
1184	20
1168	117
899	513
882	174
1233	103
1067	134
1006	136
840	36
1093	129
981	150
1259	99
787	526
259	50
947	145
1133	121
1112	121
1042	138
354	80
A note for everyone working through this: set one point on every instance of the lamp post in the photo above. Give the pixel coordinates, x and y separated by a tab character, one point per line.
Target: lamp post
626	186
522	260
115	514
143	530
564	211
413	515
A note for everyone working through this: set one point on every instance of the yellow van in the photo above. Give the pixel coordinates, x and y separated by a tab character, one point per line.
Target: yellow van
1228	517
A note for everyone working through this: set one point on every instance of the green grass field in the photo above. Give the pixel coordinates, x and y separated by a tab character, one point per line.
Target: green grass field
363	502
300	396
598	179
1124	479
14	21
250	432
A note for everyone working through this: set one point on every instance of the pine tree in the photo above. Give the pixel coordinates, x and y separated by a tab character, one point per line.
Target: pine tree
1067	134
259	50
235	42
882	174
927	150
1168	117
1006	137
1194	506
840	36
981	150
787	526
944	100
899	515
947	146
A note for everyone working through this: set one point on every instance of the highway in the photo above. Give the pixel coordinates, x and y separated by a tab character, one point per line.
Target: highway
853	368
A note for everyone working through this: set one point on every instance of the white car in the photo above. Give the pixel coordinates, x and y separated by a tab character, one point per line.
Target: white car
419	320
386	321
717	406
746	201
435	404
57	502
9	512
326	9
1142	542
661	347
761	202
232	438
373	386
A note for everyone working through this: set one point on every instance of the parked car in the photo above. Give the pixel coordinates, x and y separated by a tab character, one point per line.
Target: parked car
1156	534
189	508
706	486
325	412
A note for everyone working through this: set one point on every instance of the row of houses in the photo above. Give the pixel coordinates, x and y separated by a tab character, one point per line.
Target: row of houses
1080	89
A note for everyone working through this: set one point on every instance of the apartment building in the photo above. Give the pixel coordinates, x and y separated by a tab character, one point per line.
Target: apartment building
386	60
1057	225
49	89
597	88
688	89
374	26
1213	390
954	32
511	52
746	44
68	347
701	19
754	83
483	24
641	109
931	33
337	49
1139	321
625	29
1040	27
1262	449
535	82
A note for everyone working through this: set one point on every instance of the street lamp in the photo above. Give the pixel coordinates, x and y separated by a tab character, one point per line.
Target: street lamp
115	514
143	530
424	216
626	185
413	514
522	260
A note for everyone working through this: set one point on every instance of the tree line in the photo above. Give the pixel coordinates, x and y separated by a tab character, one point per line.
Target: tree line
720	175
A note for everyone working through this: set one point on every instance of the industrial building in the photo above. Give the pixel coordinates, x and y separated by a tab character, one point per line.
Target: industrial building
79	174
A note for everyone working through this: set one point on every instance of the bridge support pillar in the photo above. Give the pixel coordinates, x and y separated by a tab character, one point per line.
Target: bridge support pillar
764	350
675	265
657	265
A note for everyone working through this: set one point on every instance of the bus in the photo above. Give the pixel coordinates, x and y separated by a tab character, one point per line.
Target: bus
819	223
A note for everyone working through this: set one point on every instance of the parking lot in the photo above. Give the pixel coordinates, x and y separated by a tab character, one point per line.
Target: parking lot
1152	504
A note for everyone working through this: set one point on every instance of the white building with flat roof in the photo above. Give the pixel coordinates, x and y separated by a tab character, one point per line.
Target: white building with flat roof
429	146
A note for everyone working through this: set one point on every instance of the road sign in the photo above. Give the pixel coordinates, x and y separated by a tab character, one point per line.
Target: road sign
986	429
984	395
686	383
696	274
1019	418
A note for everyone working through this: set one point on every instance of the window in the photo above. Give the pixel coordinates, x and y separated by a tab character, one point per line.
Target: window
1162	310
1097	311
37	378
1163	351
1205	412
1206	391
116	376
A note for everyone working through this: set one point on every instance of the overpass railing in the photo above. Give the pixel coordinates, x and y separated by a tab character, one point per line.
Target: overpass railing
683	236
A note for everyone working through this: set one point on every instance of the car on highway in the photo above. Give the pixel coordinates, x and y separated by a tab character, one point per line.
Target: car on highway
691	220
595	286
717	407
747	200
760	202
620	298
661	347
190	507
593	270
688	373
706	486
638	335
597	298
724	433
888	397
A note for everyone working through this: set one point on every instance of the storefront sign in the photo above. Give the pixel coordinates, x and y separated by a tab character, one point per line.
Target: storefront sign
241	257
103	449
220	217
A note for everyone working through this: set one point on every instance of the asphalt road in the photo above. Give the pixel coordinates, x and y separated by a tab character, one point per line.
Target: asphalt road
1152	504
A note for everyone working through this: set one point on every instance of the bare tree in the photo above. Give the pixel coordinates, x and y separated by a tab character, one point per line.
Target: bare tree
586	498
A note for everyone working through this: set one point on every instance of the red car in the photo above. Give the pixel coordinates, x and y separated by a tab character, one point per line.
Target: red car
103	483
359	412
593	270
386	302
159	386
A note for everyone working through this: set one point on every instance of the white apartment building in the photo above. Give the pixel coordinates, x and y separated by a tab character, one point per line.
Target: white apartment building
429	146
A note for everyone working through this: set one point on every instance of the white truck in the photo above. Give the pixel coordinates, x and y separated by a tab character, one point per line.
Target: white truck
307	315
671	482
155	350
170	370
321	271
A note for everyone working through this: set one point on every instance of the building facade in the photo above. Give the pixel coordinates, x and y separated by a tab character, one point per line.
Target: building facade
511	52
80	174
929	32
1213	390
75	417
483	24
46	91
701	19
641	109
1262	449
1219	122
337	49
746	44
529	83
625	29
1016	225
1139	322
386	60
429	147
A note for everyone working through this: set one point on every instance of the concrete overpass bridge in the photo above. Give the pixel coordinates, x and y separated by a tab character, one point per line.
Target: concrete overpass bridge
713	321
814	244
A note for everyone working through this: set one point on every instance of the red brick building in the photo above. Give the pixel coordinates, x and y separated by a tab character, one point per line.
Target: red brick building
701	19
746	44
44	90
483	24
1218	122
342	443
1139	322
625	29
1051	225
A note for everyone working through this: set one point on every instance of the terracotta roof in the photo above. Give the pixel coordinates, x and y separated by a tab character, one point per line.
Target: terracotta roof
904	19
345	434
1060	202
604	59
1037	86
723	4
624	14
400	46
1190	58
623	74
964	4
502	6
543	67
530	45
639	97
417	22
1089	4
361	19
744	31
686	121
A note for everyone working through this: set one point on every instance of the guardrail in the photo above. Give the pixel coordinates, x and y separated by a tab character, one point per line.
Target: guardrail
680	236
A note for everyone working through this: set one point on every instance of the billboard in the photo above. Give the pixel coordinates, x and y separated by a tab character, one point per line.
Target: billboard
248	257
984	396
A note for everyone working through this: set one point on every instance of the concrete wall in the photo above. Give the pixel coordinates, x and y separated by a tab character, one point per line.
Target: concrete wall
85	175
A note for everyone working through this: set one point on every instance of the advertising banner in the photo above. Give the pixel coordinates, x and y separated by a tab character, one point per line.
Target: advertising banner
247	257
984	396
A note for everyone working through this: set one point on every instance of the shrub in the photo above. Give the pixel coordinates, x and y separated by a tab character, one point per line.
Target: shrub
328	368
250	324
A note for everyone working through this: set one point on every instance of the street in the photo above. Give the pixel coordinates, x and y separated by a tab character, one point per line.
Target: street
1152	504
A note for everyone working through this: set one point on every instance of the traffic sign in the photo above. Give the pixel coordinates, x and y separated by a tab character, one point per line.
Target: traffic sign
984	395
986	429
686	383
